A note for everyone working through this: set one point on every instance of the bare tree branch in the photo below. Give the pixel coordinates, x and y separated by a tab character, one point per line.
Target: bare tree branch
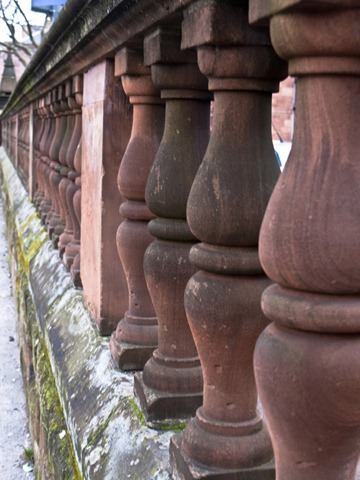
6	47
45	24
8	20
13	15
29	28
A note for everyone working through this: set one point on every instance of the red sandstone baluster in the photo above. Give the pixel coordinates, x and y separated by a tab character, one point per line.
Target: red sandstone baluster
75	267
31	136
21	153
12	139
20	146
54	219
68	187
50	135
67	164
13	145
24	133
307	362
44	201
58	166
55	223
15	140
38	130
40	195
25	140
73	246
228	438
135	338
171	383
46	161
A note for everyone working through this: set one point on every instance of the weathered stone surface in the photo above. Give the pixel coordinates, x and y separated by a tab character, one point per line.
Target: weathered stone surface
97	418
27	218
13	431
49	280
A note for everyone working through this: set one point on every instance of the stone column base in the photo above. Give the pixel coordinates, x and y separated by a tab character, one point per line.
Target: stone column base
128	356
165	406
185	469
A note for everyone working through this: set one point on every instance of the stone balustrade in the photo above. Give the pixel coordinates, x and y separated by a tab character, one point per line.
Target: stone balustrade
23	146
307	246
214	275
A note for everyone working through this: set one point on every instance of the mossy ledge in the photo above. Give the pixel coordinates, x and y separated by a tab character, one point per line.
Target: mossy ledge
83	422
59	447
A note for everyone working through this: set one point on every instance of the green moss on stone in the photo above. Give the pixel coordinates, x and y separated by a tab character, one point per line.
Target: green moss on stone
138	412
56	454
60	449
171	425
101	429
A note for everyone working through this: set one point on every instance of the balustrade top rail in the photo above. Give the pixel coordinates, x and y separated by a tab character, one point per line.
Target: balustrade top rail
85	33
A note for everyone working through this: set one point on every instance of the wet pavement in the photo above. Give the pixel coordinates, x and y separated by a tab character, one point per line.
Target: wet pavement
15	442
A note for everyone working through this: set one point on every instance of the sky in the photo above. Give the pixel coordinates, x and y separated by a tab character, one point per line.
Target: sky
34	18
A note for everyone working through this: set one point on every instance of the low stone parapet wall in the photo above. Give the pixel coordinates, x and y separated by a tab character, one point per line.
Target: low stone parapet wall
83	416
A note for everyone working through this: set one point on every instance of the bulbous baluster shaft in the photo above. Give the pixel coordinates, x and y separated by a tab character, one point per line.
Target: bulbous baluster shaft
307	362
171	383
135	337
72	246
225	209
